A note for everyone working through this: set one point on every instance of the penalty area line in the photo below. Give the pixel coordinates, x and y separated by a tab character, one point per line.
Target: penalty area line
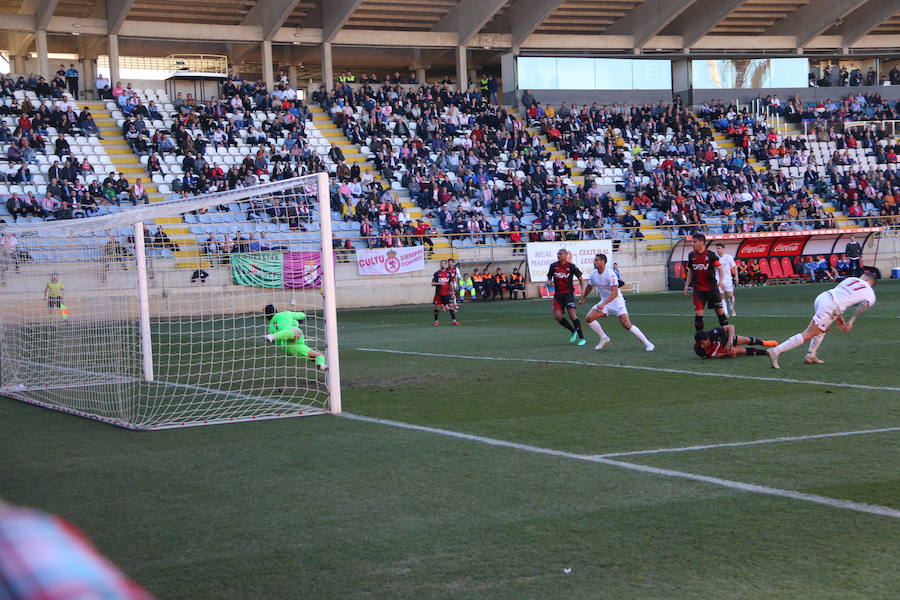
778	440
580	363
872	509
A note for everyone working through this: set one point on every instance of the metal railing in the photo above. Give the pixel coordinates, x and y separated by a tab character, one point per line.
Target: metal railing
845	126
498	245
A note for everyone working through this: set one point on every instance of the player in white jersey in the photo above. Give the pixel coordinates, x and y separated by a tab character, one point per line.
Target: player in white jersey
611	302
830	307
726	286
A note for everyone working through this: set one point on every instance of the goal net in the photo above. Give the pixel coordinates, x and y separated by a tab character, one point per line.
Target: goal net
152	317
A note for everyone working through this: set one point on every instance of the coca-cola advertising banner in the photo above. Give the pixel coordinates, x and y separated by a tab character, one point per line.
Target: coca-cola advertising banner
754	249
390	261
792	246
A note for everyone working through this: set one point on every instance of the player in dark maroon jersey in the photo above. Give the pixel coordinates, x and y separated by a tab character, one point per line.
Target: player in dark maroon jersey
723	342
444	296
561	278
704	271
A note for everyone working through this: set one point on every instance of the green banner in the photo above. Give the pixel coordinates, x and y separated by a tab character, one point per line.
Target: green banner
258	269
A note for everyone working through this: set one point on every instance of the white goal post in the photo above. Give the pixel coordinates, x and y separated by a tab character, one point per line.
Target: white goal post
153	317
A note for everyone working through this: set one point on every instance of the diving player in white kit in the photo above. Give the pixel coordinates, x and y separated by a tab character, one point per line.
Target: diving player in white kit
611	302
830	307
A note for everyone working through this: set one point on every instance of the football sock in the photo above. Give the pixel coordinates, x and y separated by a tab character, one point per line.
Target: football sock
723	319
452	314
698	323
597	329
565	323
436	313
731	302
756	352
320	360
755	341
639	334
725	304
789	344
814	343
577	323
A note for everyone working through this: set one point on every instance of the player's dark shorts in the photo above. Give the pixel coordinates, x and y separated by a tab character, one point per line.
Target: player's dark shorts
442	300
708	298
561	301
54	302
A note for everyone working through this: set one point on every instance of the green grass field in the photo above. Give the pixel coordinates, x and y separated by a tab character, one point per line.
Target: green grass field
328	507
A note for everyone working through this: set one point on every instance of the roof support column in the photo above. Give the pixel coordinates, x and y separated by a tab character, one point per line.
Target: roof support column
327	68
268	69
43	61
420	75
114	76
17	63
462	70
292	76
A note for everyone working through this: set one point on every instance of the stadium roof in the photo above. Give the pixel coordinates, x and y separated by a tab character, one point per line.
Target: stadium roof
532	26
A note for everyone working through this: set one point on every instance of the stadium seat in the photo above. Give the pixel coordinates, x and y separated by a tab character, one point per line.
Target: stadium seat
775	269
787	267
764	267
833	261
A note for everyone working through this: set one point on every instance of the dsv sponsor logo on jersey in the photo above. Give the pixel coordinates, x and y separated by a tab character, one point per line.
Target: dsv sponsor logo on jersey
699	267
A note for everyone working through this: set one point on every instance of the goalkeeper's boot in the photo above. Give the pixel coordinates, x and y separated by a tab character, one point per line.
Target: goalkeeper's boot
455	322
322	367
270	338
436	323
574	337
769	343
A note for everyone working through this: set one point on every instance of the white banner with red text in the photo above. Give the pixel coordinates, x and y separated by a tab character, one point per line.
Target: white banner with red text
390	261
542	254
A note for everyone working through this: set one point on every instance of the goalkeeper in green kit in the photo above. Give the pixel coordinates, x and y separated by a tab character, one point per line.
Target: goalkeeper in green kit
284	332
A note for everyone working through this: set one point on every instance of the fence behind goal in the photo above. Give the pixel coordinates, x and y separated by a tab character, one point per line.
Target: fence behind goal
98	321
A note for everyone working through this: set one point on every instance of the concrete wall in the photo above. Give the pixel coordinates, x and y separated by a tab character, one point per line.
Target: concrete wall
172	293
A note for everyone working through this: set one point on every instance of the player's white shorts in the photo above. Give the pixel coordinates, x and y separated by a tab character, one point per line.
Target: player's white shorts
826	311
728	285
613	308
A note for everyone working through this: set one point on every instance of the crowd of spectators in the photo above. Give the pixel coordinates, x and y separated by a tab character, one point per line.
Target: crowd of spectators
479	172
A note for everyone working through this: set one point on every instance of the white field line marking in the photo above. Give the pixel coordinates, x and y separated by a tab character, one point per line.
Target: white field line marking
636	368
872	509
778	440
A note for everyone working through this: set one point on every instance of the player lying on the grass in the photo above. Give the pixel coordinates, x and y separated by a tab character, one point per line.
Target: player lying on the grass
830	306
284	332
444	293
560	277
612	302
723	342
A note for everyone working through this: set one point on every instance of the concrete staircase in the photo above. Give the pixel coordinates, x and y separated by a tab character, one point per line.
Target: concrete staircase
353	154
654	237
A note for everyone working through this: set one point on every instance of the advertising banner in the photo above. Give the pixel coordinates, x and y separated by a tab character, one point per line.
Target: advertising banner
542	254
280	270
390	261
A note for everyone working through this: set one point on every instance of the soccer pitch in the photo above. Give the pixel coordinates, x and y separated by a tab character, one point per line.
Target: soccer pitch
514	465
